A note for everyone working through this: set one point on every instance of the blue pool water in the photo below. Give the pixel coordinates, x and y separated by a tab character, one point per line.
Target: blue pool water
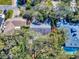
71	50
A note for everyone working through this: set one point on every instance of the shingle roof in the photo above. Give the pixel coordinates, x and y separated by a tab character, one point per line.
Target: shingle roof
12	23
17	21
9	28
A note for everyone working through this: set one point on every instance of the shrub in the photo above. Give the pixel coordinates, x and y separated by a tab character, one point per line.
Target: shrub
9	14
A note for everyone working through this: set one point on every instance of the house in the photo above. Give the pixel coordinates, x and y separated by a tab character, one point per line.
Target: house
2	17
14	24
43	28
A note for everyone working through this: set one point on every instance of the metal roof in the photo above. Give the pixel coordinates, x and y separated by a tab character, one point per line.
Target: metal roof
43	28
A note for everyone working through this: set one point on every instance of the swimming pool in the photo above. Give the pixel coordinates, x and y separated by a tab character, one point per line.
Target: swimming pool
71	50
72	43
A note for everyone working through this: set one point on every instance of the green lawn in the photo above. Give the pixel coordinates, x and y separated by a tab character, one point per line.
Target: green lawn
0	11
5	2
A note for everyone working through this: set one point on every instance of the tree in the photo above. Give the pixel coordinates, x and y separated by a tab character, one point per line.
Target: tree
21	2
66	1
48	46
28	4
24	45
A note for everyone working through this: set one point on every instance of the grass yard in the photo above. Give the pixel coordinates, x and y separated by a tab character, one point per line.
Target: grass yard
5	2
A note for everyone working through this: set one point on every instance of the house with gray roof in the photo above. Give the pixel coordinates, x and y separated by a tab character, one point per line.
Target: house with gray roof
42	28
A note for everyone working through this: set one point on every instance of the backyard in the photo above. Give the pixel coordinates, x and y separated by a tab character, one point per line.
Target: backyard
5	2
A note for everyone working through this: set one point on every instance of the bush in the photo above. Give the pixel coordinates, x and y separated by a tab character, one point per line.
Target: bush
0	11
9	14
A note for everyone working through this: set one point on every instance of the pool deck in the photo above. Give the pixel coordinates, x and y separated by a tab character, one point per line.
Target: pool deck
73	38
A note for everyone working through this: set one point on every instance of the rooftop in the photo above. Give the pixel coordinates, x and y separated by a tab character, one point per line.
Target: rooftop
43	28
12	24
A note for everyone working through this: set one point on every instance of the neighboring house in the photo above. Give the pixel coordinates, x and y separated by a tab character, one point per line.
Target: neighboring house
43	28
2	17
14	24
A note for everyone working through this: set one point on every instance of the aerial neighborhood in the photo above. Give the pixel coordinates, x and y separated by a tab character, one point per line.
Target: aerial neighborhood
39	29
